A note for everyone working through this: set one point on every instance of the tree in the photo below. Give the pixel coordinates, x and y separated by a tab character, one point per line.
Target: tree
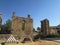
38	28
33	29
8	24
6	27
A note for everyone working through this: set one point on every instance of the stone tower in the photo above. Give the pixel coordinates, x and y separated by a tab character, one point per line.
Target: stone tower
22	27
0	20
45	27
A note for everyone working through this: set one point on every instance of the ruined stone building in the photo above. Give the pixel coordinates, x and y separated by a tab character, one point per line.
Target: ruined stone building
55	30
45	27
49	30
22	27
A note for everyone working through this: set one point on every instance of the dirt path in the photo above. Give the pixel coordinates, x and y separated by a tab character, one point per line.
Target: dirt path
41	42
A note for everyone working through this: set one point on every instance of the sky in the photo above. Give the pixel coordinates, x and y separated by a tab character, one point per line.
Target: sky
38	9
